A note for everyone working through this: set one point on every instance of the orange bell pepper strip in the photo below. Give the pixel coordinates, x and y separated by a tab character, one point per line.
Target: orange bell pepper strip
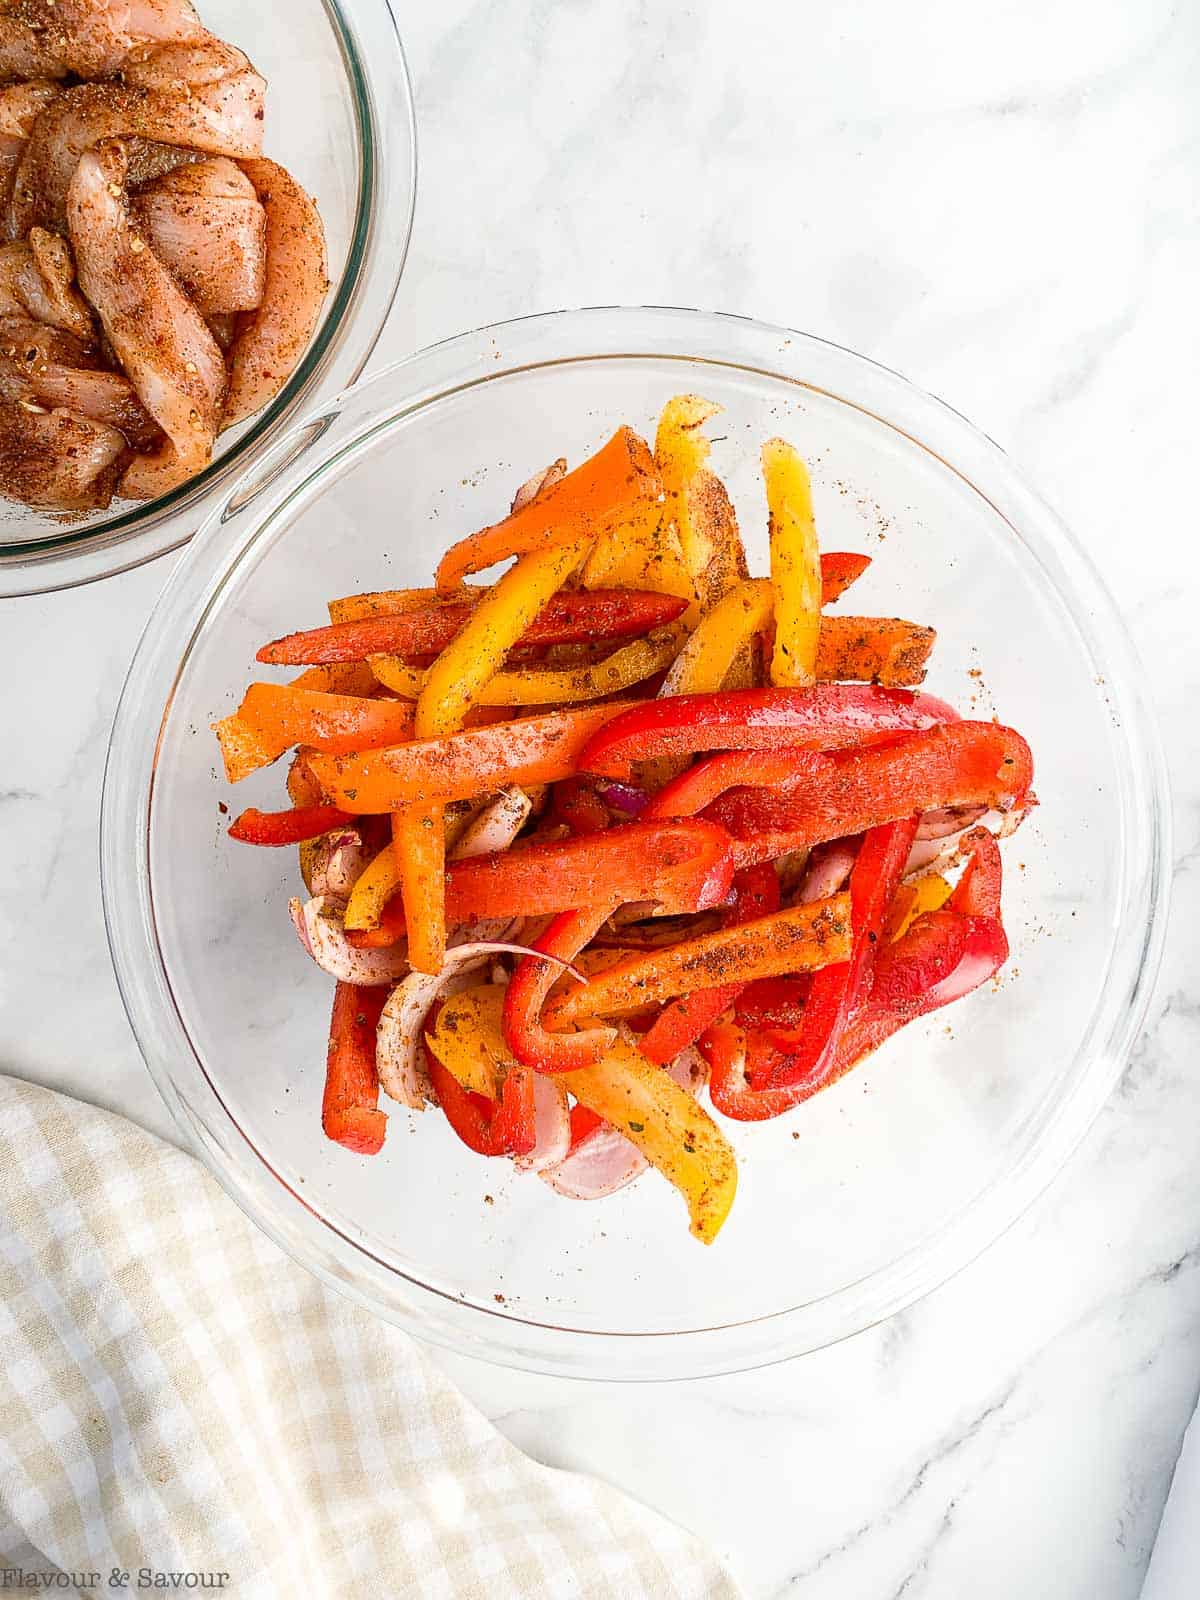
281	715
526	751
795	566
800	939
882	650
350	1113
577	617
244	749
395	602
553	686
849	791
286	827
616	486
675	1135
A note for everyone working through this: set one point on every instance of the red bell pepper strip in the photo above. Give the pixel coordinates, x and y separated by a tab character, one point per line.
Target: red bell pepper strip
573	617
977	893
724	1046
961	763
584	1121
823	717
350	1113
836	991
287	827
680	1024
839	569
489	1127
682	864
530	1042
575	803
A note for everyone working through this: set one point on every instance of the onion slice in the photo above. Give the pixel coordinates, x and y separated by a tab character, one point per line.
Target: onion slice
337	862
318	923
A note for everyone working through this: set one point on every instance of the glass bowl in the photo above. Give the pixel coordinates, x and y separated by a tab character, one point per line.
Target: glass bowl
340	117
870	1194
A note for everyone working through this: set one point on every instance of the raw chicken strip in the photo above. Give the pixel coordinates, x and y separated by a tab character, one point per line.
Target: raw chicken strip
53	369
158	336
37	280
205	97
93	38
205	222
56	461
271	340
20	105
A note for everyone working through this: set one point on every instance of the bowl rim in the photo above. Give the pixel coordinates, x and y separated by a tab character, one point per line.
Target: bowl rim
467	361
373	57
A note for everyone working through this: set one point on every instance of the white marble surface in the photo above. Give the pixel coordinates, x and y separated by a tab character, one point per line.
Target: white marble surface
1001	202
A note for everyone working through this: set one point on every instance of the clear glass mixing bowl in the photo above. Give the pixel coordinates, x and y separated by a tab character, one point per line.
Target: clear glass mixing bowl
340	117
868	1195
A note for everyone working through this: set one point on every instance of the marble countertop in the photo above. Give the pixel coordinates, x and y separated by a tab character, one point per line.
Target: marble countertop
1003	204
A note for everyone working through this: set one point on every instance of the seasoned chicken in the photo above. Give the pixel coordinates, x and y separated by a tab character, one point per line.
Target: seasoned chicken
205	222
56	461
157	334
37	280
54	369
20	104
271	340
205	96
92	38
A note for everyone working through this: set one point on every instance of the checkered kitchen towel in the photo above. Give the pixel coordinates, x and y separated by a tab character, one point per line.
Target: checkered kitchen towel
180	1401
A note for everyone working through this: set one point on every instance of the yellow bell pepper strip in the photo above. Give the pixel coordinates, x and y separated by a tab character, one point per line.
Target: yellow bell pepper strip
697	504
675	1135
553	686
795	566
642	554
615	488
706	660
373	888
246	747
800	939
528	750
913	900
466	1039
451	684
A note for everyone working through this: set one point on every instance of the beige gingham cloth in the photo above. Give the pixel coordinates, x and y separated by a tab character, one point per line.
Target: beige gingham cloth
178	1397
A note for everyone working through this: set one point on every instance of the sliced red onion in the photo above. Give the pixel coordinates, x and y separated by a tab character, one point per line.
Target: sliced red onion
398	1054
337	863
496	826
947	820
943	854
552	1125
626	798
829	867
546	479
319	924
606	1160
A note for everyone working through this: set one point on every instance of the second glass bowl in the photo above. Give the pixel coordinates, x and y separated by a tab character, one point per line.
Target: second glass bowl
340	117
869	1194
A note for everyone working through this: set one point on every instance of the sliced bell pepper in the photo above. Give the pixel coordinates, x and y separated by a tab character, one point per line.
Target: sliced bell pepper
286	827
837	991
350	1113
665	1123
911	901
529	750
644	554
617	487
839	569
395	602
977	893
571	618
696	504
465	1037
551	686
795	566
799	939
680	1024
956	763
373	888
681	865
724	1047
524	1033
503	1127
882	650
575	803
819	718
244	749
281	715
